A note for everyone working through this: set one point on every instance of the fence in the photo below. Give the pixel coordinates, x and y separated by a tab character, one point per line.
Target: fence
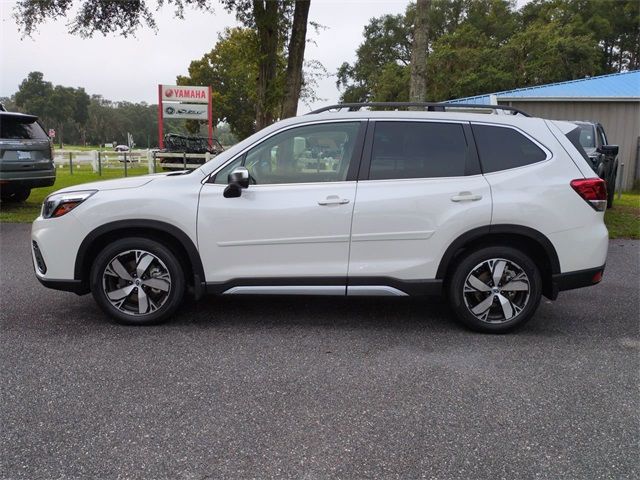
135	162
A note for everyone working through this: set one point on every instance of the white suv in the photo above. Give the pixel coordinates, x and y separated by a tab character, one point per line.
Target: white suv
494	210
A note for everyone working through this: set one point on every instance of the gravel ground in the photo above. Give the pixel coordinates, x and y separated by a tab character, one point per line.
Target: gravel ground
318	388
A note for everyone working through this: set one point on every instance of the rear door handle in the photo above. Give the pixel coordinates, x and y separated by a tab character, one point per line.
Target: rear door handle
333	200
466	197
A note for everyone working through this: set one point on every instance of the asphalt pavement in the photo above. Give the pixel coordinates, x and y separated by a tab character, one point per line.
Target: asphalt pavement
315	388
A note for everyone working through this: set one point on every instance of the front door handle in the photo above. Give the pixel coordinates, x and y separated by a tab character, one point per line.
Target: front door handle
333	200
466	197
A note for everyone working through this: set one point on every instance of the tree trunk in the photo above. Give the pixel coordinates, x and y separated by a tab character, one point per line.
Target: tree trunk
297	44
266	17
418	86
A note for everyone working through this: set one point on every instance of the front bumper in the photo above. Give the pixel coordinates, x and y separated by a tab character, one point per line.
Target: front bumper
75	286
58	241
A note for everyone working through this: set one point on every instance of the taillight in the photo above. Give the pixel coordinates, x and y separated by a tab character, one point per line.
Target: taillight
593	191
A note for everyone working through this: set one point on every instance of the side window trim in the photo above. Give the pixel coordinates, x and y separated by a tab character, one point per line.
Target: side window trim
473	161
354	165
602	135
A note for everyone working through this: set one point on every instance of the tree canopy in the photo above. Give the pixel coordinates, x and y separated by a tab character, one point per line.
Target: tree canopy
480	46
272	20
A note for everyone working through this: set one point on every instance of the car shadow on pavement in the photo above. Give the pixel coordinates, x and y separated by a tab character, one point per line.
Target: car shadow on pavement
300	311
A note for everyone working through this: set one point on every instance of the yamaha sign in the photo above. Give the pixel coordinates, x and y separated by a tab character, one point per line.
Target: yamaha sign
183	102
179	93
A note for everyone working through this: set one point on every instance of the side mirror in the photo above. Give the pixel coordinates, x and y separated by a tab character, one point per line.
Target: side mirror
237	180
609	150
239	176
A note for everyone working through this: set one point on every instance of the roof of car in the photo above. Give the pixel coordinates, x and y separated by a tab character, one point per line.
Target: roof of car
18	114
465	116
585	122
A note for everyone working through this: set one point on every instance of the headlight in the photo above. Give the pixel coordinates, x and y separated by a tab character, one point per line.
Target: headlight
60	204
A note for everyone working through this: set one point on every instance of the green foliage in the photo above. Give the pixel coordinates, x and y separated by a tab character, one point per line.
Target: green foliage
63	108
481	46
231	69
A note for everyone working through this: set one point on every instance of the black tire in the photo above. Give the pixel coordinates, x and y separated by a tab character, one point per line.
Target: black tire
164	262
611	191
462	303
15	194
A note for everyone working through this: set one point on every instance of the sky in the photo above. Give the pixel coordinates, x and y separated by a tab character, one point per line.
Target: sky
131	68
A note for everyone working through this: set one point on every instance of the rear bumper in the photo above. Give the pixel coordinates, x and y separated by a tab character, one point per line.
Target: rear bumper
30	179
577	279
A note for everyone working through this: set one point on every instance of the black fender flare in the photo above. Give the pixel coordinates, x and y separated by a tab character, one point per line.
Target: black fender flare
500	229
142	224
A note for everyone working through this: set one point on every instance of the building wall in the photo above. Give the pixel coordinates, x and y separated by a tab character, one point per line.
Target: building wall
621	121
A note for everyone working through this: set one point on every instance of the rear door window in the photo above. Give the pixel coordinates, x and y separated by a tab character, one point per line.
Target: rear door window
18	128
418	150
502	148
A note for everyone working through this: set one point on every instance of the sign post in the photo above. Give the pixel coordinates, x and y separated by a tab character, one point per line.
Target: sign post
184	102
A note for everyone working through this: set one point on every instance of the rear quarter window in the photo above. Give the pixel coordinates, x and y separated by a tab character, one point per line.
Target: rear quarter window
503	148
16	128
575	136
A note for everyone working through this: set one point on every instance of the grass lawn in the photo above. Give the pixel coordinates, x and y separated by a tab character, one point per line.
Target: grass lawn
623	220
27	212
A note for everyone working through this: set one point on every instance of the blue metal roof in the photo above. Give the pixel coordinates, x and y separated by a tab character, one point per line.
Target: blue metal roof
617	86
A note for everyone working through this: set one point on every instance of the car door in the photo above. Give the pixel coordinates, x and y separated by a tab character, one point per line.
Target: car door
421	188
290	228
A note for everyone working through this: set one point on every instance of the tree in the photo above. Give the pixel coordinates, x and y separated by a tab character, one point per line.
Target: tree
418	86
480	46
60	109
230	68
270	19
297	43
33	94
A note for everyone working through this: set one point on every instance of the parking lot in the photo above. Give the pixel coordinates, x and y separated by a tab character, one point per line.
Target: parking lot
317	388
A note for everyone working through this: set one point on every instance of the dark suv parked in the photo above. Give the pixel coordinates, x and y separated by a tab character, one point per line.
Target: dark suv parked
603	158
26	156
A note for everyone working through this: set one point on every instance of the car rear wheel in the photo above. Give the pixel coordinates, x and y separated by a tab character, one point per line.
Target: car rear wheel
137	281
15	194
495	289
611	191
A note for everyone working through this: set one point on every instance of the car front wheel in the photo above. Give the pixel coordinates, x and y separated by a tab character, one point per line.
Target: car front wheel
495	289
137	281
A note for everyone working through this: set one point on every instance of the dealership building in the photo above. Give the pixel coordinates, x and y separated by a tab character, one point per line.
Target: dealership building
613	100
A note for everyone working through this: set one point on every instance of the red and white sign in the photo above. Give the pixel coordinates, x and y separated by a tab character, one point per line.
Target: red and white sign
184	102
52	133
179	93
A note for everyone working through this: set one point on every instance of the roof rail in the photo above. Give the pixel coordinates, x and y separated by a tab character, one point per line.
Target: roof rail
428	106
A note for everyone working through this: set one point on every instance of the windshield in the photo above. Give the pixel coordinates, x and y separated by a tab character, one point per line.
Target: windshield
587	136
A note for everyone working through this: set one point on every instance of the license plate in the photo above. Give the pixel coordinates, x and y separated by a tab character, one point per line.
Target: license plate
24	155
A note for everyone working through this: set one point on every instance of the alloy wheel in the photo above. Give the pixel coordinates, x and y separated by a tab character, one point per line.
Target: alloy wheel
496	290
136	282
